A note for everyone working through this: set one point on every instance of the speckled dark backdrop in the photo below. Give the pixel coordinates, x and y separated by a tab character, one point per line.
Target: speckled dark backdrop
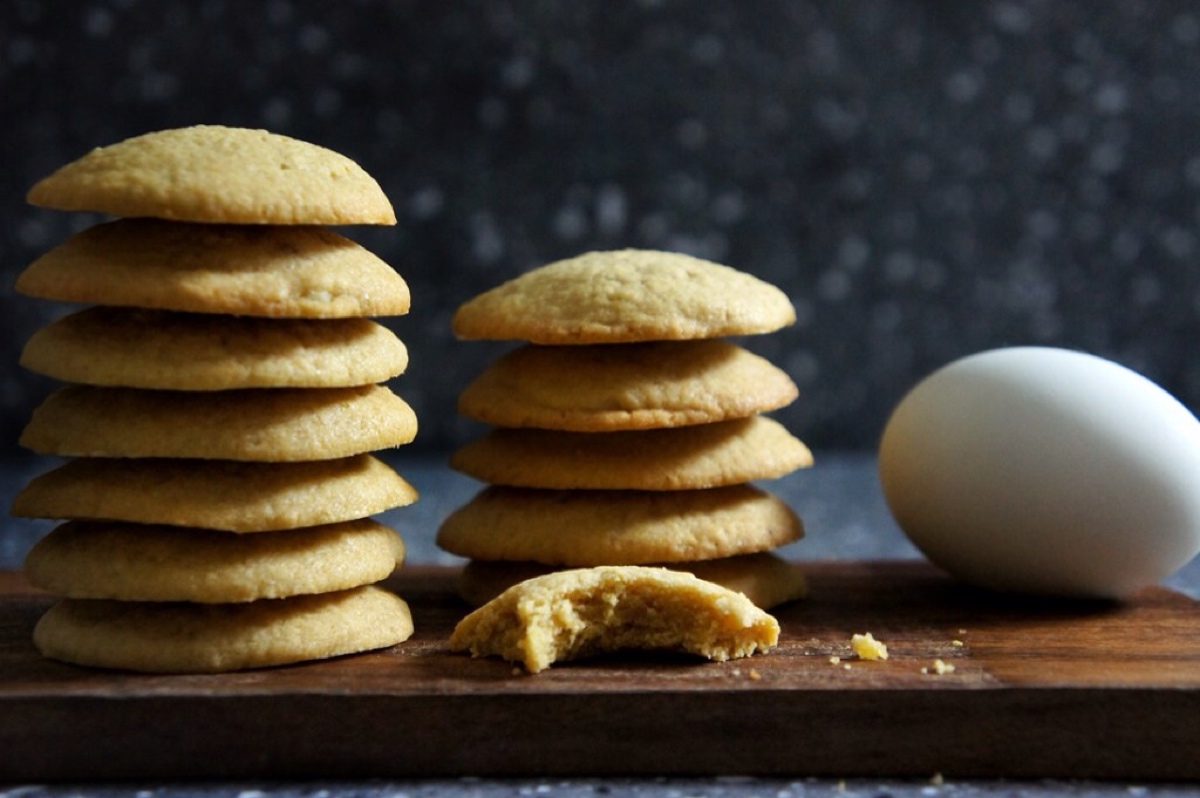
925	179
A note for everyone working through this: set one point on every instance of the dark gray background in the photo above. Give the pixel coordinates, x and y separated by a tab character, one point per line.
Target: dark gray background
924	179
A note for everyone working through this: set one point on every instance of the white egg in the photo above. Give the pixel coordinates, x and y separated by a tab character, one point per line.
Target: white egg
1044	470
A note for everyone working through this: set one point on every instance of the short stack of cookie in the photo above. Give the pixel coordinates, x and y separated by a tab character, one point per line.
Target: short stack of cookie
626	428
225	394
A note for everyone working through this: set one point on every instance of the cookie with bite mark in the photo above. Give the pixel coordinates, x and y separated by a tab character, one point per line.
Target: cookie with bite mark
586	612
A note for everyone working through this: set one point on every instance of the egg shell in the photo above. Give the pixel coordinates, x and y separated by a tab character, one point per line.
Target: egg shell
1045	470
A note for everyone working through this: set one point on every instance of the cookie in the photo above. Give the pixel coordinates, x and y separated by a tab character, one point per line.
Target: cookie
681	458
303	272
583	528
215	494
269	425
765	578
585	612
625	296
146	562
210	173
171	637
163	350
632	386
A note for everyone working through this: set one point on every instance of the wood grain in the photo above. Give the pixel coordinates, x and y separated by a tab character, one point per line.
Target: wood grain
1040	689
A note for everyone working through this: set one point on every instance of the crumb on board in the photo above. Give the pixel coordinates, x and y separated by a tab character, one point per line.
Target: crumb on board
835	659
755	675
956	643
868	648
939	668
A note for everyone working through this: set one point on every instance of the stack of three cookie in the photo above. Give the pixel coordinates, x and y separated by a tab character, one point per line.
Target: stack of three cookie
225	392
627	428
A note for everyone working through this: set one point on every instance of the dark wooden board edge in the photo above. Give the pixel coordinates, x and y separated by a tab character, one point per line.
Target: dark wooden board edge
865	733
529	726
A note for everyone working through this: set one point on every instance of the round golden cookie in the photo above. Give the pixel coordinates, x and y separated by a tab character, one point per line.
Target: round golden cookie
147	562
210	173
262	424
678	458
164	350
632	386
583	612
173	637
765	578
303	272
625	296
215	494
584	528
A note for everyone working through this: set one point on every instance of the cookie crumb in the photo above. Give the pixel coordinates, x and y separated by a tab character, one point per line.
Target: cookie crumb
868	648
755	675
956	643
835	659
941	668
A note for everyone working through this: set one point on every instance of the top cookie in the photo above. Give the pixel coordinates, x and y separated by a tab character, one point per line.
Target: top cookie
622	297
210	173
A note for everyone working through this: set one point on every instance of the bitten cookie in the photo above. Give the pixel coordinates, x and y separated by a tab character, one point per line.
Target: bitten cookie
146	562
625	296
175	637
210	173
303	272
269	425
633	386
765	578
682	458
582	528
162	350
215	494
584	612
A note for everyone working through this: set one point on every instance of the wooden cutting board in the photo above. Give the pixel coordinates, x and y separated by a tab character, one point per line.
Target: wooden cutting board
1039	689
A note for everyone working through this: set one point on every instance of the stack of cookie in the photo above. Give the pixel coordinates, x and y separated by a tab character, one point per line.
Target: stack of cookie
626	429
223	402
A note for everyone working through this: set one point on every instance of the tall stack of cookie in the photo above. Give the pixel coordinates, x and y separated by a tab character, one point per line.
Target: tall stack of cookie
225	394
626	430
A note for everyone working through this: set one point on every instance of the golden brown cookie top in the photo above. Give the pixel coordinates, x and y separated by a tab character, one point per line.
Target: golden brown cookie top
267	425
624	296
215	494
148	562
632	386
679	458
302	271
210	173
180	637
616	527
165	350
